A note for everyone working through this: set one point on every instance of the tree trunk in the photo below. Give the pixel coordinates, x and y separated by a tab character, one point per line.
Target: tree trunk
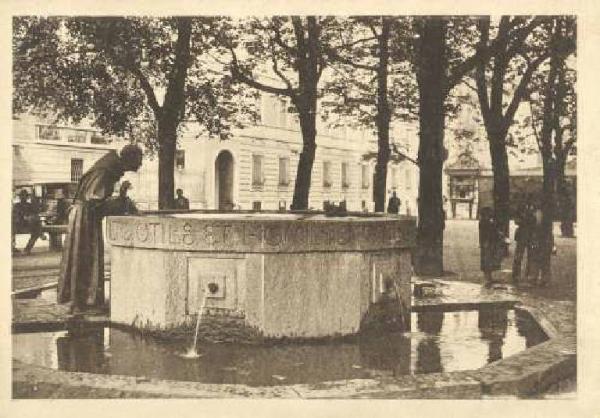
565	201
170	115
307	158
167	138
431	79
383	120
306	103
548	205
501	181
549	165
383	157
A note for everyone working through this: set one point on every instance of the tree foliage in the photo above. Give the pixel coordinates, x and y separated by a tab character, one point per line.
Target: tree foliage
285	56
114	71
129	76
371	84
350	93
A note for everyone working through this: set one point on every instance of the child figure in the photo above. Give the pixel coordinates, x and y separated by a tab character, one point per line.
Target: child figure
490	242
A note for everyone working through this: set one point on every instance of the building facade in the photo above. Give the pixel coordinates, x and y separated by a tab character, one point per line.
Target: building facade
255	169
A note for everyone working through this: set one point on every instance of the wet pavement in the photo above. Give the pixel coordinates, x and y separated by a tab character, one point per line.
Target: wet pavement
461	257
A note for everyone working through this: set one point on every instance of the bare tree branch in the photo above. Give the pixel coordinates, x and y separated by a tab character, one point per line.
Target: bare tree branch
287	82
520	35
373	30
534	125
403	155
238	74
279	40
469	85
461	69
332	54
148	90
521	90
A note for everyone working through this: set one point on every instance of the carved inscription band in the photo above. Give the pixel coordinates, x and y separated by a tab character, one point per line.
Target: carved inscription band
263	236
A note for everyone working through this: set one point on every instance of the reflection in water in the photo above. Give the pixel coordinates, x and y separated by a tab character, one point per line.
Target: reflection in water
81	350
429	358
492	325
528	329
440	341
386	353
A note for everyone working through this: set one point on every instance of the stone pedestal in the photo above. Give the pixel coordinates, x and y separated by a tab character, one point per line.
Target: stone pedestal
286	275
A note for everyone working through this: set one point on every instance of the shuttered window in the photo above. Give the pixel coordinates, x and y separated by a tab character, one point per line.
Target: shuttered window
345	176
284	168
326	174
257	170
76	169
365	176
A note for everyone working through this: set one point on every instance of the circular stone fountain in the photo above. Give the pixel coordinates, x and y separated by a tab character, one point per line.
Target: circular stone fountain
283	275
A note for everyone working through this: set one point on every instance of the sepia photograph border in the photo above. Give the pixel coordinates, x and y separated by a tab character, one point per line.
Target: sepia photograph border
587	402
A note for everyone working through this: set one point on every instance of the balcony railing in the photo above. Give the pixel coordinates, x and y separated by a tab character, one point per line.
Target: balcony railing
49	133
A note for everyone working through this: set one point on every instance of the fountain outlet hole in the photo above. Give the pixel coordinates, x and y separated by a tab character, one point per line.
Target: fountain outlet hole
213	288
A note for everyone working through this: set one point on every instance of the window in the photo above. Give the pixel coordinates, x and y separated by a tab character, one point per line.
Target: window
408	178
394	177
78	137
257	170
180	159
326	174
282	113
345	176
48	133
99	139
251	46
365	176
76	169
273	110
284	168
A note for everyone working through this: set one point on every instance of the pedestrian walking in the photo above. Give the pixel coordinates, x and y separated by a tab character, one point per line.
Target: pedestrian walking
26	218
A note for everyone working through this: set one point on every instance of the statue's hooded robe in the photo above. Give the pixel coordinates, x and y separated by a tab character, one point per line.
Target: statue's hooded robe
81	278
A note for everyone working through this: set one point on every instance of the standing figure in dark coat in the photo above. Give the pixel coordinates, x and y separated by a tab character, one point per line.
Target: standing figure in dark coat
81	280
541	245
490	242
393	204
181	202
62	208
525	222
122	204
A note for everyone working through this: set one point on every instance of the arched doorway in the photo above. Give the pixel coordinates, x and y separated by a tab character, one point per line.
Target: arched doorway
224	181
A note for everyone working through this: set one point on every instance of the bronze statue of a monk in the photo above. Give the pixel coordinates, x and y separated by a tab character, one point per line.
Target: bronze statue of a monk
81	280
